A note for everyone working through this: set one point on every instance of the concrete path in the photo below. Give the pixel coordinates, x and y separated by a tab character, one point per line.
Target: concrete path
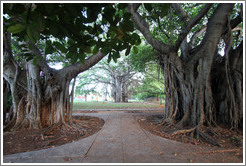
122	140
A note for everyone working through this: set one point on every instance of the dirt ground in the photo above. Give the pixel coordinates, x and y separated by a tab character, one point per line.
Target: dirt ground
230	141
14	142
23	141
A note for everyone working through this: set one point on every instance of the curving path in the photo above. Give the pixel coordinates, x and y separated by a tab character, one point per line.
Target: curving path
121	140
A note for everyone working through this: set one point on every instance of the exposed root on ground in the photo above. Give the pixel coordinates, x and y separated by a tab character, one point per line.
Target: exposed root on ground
65	128
208	138
183	131
196	132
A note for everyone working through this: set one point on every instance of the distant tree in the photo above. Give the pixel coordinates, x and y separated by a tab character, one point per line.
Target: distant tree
85	84
119	76
146	61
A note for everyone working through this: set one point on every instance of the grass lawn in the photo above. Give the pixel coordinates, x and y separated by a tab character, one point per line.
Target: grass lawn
112	105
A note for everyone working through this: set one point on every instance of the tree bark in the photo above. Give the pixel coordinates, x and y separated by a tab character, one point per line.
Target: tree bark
40	94
199	88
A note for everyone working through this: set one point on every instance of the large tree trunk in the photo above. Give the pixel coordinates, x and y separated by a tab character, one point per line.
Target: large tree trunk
6	107
56	109
199	88
125	92
119	89
228	88
40	94
206	89
190	96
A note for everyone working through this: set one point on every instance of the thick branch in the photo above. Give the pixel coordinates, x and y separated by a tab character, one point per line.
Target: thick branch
197	34
193	22
42	62
181	13
216	25
215	29
143	27
9	65
75	69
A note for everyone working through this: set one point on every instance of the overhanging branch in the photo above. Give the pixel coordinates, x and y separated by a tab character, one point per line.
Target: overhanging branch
143	27
193	22
181	13
75	69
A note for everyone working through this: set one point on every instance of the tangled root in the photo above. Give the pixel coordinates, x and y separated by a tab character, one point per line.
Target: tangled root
63	127
195	132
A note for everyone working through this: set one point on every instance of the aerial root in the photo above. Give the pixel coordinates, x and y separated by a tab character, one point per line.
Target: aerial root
192	132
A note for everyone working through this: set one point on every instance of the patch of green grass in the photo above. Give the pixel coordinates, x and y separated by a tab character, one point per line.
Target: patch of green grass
112	105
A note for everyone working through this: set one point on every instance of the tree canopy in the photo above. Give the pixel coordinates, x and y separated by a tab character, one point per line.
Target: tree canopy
75	30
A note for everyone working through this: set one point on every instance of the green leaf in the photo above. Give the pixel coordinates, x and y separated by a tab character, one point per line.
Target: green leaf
17	28
109	57
82	58
127	16
34	62
73	49
53	27
136	38
148	6
30	34
127	26
115	59
109	12
106	49
60	47
122	5
115	56
74	58
40	21
69	55
135	49
50	7
48	42
165	8
49	49
87	49
95	49
128	51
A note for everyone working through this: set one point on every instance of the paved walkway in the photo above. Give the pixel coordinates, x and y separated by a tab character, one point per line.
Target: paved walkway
122	140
